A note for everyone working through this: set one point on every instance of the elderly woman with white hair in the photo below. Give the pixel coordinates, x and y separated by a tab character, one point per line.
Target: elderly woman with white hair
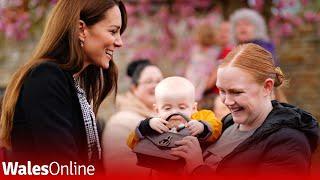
248	26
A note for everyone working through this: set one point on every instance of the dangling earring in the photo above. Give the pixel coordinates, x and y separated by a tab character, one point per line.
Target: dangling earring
81	43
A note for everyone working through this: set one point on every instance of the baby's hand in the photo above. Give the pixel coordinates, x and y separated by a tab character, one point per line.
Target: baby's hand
159	125
195	127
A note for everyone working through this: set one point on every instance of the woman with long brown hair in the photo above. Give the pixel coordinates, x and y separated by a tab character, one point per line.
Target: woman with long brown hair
49	107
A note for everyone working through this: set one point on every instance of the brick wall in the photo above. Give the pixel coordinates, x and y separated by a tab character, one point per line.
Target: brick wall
300	59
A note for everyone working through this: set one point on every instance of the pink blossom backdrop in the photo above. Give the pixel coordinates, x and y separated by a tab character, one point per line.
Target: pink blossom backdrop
161	29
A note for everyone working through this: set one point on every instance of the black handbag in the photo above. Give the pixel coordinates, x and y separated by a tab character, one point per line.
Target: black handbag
154	150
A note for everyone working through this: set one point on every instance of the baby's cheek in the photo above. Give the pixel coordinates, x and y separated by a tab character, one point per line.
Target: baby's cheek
164	114
187	112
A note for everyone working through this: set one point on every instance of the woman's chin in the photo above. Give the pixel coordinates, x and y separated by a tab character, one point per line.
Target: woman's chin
105	65
237	119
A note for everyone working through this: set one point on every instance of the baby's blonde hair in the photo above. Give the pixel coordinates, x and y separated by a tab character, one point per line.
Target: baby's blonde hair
175	85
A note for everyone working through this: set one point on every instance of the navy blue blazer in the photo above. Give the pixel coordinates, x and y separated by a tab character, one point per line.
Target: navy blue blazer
48	124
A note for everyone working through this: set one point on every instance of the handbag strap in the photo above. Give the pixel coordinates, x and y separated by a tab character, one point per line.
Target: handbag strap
178	114
166	141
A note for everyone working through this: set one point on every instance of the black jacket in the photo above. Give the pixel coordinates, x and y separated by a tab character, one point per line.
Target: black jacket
282	144
48	124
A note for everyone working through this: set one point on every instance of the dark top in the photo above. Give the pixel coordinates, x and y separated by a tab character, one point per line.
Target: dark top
48	124
282	144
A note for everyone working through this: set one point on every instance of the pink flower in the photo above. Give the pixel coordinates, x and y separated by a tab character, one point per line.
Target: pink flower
297	21
22	35
286	29
192	21
133	21
288	16
39	12
310	16
304	2
10	31
144	6
2	26
281	4
163	14
15	3
273	23
292	2
186	11
146	53
164	40
144	38
202	3
257	4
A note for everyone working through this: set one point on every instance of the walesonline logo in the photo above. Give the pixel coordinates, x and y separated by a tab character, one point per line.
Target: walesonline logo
54	168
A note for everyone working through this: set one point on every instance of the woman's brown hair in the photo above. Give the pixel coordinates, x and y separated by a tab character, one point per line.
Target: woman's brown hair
60	43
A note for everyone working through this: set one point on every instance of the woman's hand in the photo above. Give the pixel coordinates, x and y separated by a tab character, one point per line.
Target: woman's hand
189	149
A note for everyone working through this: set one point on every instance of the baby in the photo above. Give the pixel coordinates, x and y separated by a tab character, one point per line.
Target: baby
177	95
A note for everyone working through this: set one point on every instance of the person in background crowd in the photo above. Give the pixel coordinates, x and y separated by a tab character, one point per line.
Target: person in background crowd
203	59
248	26
261	136
223	39
46	112
132	107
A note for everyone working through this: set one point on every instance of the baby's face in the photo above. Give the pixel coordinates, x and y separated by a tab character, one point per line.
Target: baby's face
167	105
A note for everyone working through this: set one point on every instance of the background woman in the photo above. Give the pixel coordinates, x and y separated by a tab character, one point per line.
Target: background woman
248	26
203	59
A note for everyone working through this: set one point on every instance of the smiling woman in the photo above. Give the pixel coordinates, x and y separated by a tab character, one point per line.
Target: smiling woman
242	97
101	39
261	136
46	113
